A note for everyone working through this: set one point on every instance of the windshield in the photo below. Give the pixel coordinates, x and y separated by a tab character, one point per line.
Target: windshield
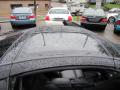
59	11
94	12
22	10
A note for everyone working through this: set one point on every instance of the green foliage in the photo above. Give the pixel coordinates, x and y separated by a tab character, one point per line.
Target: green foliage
110	6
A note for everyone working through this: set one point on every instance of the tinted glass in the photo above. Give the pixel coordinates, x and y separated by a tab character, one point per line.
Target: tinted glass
22	10
80	79
93	12
89	12
59	11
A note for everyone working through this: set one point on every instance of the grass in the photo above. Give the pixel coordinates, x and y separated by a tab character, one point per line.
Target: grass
92	5
4	19
106	6
110	6
41	17
75	18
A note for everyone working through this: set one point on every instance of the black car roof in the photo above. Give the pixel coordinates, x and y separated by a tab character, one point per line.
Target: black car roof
48	46
47	40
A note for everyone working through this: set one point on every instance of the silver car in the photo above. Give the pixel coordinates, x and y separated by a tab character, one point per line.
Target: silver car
22	16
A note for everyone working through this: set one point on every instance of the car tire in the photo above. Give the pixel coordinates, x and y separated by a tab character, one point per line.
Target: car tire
103	28
77	14
115	31
110	20
13	26
83	25
34	25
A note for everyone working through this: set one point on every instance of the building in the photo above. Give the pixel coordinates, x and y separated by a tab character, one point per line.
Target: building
6	6
116	1
94	1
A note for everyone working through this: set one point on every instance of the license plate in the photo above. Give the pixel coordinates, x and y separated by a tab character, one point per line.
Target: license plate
58	19
22	17
92	20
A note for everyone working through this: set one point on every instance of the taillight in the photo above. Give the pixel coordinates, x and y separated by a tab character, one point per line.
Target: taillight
118	22
32	16
47	18
104	20
69	18
13	17
83	19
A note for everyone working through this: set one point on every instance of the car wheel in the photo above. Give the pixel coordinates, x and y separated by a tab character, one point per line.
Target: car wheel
103	28
115	31
34	25
77	14
82	25
111	20
13	26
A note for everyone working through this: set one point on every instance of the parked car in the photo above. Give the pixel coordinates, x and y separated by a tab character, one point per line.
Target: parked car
58	14
60	58
114	10
22	16
76	7
94	18
111	15
117	24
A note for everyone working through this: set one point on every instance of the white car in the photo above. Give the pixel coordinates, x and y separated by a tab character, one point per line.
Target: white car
57	15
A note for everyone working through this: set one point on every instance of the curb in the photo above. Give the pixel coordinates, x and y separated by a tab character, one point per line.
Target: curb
4	21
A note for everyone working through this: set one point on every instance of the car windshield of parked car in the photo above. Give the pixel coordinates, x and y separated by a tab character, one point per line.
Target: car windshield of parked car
22	10
94	12
59	11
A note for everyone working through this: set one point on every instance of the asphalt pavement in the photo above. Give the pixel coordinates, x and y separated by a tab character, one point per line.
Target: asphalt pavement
108	33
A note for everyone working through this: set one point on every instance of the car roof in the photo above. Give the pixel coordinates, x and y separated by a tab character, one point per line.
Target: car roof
22	10
50	46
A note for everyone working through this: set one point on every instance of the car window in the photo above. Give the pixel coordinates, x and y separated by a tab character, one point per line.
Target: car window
22	10
93	12
69	79
59	11
99	12
89	12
